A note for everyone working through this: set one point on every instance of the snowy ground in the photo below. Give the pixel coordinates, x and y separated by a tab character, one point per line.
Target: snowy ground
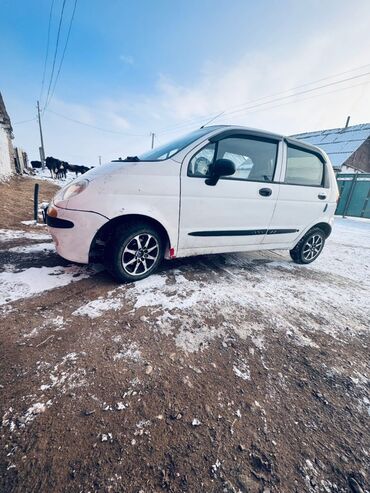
44	175
190	379
267	282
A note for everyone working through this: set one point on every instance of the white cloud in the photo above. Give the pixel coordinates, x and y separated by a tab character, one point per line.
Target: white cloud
264	74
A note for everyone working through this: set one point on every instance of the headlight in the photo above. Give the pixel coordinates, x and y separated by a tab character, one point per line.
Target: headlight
71	190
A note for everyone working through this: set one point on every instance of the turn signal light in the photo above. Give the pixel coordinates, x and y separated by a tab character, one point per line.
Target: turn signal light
52	211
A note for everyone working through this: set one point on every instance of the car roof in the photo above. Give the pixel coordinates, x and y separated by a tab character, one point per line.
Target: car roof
245	129
223	130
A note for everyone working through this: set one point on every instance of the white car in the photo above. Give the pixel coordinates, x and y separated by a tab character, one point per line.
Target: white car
218	189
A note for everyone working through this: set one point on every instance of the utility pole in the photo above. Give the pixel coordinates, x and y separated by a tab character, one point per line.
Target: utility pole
99	160
153	136
42	149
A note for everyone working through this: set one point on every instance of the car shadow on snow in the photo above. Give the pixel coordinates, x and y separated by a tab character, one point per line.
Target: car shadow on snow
217	263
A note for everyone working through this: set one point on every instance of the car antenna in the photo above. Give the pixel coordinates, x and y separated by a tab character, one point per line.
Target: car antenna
212	119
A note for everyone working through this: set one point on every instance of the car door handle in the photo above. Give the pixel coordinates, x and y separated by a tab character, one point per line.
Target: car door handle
322	196
265	192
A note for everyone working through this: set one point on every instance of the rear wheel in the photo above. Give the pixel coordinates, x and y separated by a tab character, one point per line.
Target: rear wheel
134	252
309	247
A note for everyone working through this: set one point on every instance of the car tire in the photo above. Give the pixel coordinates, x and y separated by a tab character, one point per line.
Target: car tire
134	252
309	247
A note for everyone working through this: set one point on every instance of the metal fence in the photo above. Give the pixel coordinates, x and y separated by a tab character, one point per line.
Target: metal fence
354	190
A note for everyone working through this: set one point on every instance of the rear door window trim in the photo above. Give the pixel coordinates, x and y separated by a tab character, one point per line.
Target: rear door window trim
325	177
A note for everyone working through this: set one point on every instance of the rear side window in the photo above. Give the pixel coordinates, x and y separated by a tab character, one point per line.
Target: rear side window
304	168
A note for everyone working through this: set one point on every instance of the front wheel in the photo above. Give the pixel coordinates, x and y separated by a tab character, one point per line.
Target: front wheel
309	247
134	252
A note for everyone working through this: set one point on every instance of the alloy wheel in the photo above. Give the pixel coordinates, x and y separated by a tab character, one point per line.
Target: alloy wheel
140	254
312	247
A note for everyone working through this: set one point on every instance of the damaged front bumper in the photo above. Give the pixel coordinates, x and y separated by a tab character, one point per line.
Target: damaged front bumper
73	231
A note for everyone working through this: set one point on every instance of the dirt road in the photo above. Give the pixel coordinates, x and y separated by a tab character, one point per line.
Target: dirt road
229	373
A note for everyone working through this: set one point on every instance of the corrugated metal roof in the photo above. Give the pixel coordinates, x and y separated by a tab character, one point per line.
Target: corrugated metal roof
338	143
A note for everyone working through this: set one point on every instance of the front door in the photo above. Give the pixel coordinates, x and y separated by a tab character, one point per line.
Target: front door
236	212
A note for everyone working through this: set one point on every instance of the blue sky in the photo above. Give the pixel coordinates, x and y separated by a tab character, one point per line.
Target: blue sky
136	67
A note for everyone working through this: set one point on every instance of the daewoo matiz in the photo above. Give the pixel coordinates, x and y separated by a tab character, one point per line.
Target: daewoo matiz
218	189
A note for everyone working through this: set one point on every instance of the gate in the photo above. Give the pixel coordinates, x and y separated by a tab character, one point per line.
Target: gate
354	192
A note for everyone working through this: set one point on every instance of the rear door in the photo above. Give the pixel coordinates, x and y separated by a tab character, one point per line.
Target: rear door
236	212
303	197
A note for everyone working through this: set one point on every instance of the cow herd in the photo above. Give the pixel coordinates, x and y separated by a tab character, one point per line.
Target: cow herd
58	168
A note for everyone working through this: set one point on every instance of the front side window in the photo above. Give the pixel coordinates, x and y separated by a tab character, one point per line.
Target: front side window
201	162
303	168
254	158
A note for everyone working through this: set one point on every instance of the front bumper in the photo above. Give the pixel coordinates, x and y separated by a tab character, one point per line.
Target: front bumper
73	242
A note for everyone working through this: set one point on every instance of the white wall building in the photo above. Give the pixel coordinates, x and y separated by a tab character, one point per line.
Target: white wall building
7	163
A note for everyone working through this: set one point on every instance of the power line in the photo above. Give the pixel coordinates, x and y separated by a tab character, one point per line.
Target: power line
55	53
201	119
246	108
95	127
310	97
24	121
47	50
304	85
64	52
300	93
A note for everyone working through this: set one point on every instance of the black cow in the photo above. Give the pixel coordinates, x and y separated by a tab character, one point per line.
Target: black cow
53	165
76	168
57	168
36	164
62	170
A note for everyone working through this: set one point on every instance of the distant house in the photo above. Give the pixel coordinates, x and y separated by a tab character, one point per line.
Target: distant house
7	162
348	148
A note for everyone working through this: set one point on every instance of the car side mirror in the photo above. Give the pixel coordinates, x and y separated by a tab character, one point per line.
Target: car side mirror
221	167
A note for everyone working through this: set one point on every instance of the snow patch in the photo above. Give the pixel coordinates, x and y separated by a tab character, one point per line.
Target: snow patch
15	234
241	370
130	353
34	410
36	248
56	323
97	307
35	280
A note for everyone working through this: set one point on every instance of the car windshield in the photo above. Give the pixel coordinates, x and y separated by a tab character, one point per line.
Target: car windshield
168	150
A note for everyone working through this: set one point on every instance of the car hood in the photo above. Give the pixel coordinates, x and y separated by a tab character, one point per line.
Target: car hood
112	168
121	182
